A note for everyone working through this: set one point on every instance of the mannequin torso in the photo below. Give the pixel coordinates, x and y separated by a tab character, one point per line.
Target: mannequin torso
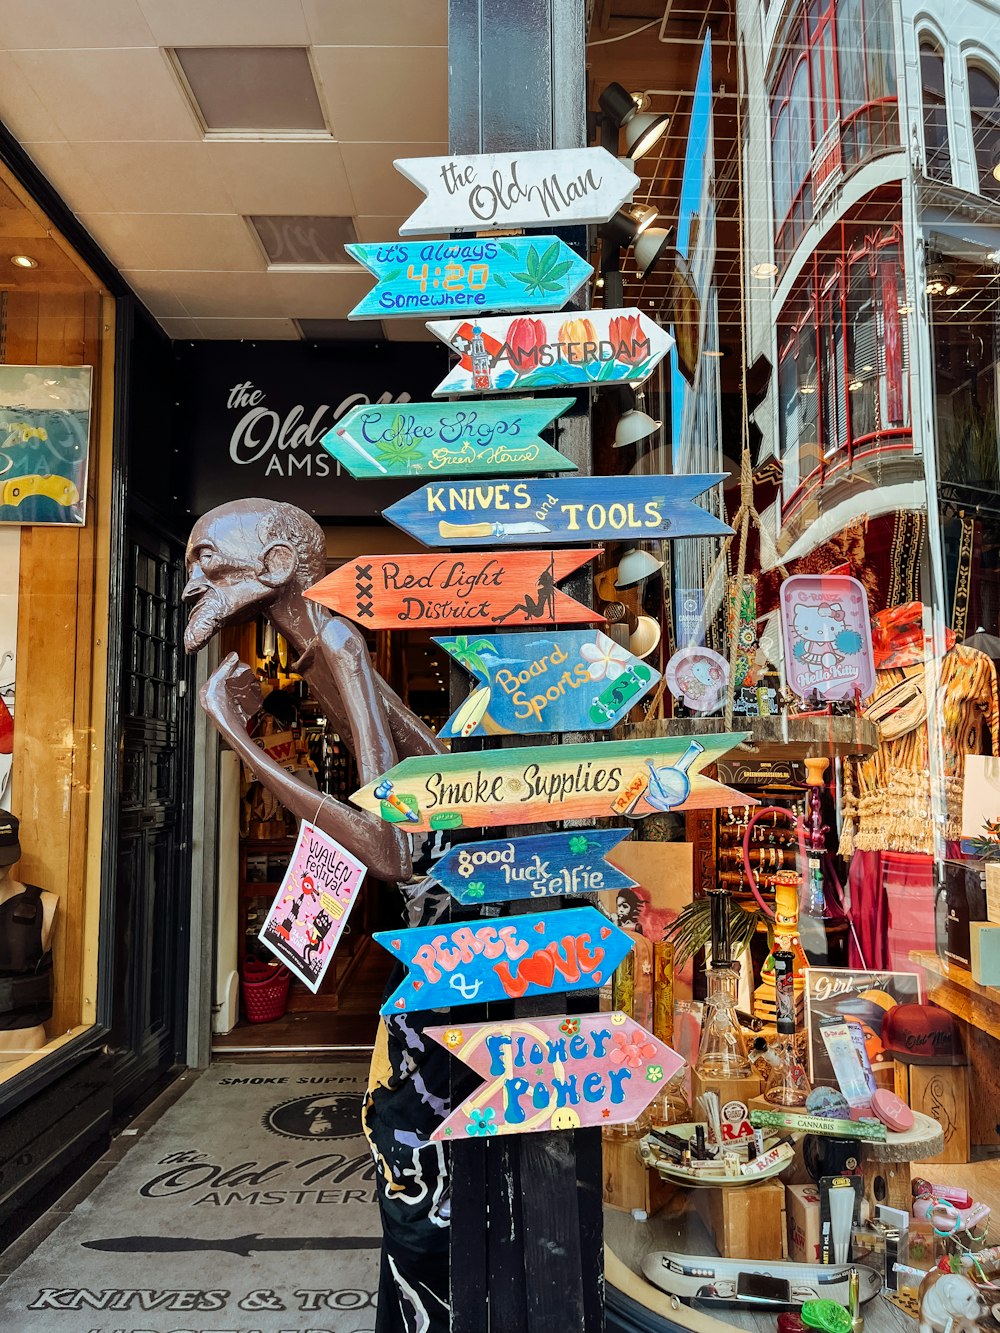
16	1041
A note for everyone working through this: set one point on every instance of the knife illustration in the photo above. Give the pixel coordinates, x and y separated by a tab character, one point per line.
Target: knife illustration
254	1243
60	489
489	529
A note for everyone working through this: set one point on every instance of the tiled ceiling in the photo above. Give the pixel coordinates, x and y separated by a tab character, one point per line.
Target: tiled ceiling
93	93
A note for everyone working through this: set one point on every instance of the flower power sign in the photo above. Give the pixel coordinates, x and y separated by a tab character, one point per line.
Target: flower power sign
554	1073
569	680
491	191
542	953
581	349
448	439
558	510
539	784
546	865
419	278
480	589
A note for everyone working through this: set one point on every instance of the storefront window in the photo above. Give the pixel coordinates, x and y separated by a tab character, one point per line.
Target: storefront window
56	328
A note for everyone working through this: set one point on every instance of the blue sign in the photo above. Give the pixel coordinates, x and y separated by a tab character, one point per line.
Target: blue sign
566	680
510	957
533	511
420	278
544	866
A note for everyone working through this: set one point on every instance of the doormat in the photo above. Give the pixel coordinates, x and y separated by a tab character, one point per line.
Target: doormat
248	1207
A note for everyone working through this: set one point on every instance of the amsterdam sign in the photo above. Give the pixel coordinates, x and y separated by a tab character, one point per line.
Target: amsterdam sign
576	349
448	439
417	278
479	590
558	510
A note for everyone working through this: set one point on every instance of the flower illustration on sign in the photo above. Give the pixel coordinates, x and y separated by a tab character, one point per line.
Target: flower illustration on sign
454	1037
631	1049
579	339
482	1123
605	661
630	344
571	1026
525	340
654	1073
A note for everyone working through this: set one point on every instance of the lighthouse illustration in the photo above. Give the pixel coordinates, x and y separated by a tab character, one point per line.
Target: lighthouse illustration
481	378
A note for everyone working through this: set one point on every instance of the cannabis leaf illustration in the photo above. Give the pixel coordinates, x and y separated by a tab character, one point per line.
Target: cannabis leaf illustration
509	249
400	445
543	273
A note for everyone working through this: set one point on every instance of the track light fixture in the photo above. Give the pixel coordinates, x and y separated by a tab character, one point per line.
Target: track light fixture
618	104
649	248
642	132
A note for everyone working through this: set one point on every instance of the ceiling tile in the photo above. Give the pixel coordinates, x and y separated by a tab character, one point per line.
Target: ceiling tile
151	178
375	227
180	329
68	23
408	331
284	178
377	22
368	92
262	330
226	22
218	241
63	165
113	95
320	295
156	292
222	295
21	109
118	237
375	183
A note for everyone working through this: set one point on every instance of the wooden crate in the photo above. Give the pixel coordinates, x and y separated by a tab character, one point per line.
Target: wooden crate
942	1092
629	1183
728	1090
747	1223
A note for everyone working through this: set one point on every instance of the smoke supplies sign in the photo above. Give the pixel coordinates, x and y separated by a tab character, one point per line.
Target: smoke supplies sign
310	911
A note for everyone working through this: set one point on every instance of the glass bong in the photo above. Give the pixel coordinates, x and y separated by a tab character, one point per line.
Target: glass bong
722	1053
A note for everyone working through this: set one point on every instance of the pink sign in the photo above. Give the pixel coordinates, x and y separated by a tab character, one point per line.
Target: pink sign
310	911
555	1073
828	637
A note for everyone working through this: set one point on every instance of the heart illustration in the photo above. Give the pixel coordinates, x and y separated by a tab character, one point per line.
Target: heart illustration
540	927
597	978
605	932
397	944
400	1004
417	985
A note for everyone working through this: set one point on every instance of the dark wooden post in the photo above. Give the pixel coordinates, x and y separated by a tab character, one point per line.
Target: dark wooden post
526	1231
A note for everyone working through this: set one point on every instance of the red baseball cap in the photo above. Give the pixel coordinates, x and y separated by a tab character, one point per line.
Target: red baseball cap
922	1034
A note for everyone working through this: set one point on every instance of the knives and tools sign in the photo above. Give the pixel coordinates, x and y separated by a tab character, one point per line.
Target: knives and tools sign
502	295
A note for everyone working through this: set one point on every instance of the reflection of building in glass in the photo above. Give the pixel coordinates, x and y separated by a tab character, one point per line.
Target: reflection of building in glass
881	126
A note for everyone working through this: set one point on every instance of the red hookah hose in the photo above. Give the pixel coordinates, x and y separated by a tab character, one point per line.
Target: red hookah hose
799	829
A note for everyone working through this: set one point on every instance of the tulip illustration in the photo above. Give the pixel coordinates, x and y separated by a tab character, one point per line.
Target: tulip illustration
525	339
630	343
573	334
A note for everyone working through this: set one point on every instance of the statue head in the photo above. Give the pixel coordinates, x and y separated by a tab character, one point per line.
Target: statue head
244	556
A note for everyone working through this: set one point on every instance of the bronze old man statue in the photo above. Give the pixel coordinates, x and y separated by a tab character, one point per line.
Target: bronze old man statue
257	557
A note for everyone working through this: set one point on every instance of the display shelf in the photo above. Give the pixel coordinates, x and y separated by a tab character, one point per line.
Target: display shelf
786	736
953	988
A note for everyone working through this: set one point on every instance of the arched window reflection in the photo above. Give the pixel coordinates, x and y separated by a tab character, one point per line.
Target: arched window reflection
984	113
937	150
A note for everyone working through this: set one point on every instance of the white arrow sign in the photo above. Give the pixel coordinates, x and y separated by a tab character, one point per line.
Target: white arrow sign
576	349
515	189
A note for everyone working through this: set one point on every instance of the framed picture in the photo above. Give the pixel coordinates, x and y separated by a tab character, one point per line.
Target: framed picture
841	994
44	443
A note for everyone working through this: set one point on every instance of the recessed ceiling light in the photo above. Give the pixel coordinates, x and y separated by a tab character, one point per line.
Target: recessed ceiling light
855	385
764	270
904	309
866	370
23	261
807	388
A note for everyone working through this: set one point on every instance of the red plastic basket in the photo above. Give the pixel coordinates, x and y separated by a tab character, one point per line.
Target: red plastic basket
265	990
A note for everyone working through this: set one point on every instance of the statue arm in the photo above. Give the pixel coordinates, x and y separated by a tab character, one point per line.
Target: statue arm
231	697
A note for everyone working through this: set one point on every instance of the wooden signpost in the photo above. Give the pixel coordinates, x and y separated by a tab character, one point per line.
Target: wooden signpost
541	953
477	590
555	1073
448	439
579	348
538	784
569	680
546	865
491	191
558	510
417	278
